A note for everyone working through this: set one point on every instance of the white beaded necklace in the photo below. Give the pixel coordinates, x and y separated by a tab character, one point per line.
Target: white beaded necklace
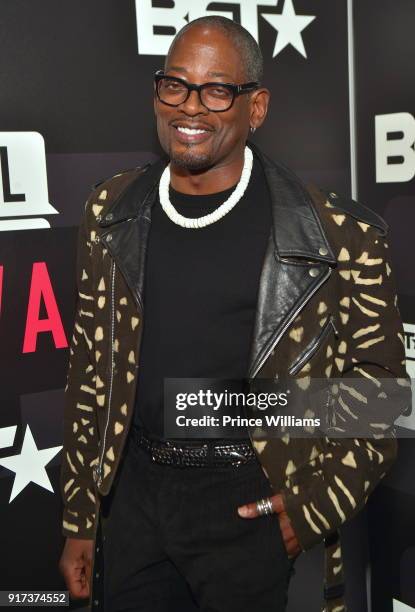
219	212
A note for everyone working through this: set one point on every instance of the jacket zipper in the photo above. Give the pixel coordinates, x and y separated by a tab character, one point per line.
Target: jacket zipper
99	469
292	317
296	367
336	331
274	344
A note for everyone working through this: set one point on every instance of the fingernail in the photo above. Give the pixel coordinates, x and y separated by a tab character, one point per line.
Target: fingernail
243	511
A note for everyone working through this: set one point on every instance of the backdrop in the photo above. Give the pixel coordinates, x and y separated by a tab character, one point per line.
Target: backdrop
76	107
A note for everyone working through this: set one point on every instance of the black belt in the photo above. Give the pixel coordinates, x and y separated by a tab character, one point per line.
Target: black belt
195	455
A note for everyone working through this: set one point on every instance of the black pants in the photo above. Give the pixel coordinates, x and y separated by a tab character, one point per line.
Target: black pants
174	542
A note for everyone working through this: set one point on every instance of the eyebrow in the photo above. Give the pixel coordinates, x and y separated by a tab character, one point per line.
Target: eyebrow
211	73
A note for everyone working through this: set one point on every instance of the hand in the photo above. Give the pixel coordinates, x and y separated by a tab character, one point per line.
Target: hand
75	565
288	535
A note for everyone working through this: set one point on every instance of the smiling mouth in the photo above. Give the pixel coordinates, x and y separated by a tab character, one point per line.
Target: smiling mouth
190	131
187	134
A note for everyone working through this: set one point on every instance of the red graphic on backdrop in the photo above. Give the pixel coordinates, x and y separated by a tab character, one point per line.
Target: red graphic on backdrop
41	288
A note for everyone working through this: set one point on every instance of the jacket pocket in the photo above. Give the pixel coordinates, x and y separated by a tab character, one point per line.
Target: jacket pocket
313	346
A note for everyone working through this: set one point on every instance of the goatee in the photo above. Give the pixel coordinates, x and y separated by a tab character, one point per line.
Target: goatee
190	160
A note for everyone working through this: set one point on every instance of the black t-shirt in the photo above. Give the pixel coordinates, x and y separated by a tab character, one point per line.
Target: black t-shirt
200	293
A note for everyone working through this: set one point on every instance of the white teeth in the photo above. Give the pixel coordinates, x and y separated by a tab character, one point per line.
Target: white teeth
186	130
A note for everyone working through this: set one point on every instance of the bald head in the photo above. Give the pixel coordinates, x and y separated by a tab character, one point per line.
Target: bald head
248	49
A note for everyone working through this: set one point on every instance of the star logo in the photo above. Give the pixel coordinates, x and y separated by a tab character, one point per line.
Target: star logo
289	27
29	465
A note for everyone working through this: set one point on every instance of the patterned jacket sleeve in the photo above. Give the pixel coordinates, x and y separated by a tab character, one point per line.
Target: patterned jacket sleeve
80	446
335	485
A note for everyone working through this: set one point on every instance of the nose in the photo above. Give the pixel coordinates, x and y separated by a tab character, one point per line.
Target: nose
193	105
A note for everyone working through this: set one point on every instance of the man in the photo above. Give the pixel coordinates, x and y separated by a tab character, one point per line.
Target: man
217	263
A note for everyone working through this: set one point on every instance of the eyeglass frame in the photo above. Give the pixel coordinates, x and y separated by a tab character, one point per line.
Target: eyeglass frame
236	90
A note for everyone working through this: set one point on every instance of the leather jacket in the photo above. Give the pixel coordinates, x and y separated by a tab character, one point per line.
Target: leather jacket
327	305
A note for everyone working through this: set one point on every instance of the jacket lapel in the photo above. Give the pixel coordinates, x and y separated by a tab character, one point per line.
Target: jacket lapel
298	258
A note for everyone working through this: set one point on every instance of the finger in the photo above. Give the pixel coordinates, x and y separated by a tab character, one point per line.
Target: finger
286	527
285	522
88	569
76	582
251	510
83	584
292	546
288	534
278	503
76	586
293	550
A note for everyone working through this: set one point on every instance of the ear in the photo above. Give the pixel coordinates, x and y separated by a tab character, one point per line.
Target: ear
259	106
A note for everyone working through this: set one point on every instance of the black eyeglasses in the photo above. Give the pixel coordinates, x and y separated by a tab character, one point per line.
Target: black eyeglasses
216	97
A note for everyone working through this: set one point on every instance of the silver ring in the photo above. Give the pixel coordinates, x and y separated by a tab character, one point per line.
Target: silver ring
264	506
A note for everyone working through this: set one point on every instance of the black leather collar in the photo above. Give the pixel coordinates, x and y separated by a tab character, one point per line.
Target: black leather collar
129	203
297	230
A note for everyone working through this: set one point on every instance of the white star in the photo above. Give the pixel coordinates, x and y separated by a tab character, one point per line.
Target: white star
29	466
289	26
